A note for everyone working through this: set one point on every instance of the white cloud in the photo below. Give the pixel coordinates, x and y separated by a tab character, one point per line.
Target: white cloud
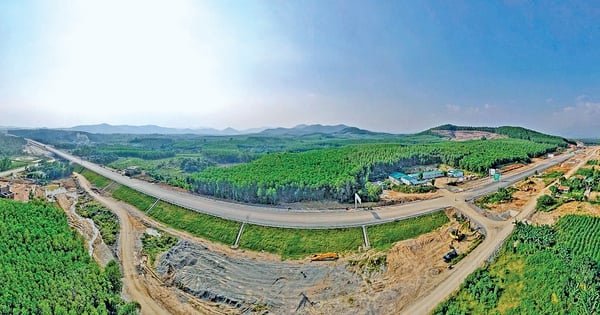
579	119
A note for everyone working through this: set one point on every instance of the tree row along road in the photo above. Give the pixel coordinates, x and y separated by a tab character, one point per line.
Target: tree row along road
277	217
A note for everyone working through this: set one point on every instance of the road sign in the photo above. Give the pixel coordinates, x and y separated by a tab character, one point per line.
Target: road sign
497	177
492	171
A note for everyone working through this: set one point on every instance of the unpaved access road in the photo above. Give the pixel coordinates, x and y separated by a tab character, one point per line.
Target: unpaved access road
497	232
133	287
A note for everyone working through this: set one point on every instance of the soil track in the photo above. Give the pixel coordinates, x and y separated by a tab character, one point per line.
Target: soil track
132	286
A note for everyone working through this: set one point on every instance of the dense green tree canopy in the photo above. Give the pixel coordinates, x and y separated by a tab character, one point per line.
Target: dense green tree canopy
337	173
45	268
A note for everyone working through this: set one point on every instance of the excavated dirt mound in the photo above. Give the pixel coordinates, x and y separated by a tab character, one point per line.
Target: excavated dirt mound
280	287
464	135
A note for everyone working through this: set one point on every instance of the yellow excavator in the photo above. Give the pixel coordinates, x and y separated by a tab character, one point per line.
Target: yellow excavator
459	234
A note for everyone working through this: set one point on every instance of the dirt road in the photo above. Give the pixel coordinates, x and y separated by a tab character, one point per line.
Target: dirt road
132	286
497	232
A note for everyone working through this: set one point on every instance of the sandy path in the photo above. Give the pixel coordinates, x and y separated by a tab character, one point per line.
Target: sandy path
132	286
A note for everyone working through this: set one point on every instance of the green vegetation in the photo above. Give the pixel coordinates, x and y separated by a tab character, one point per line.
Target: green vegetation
289	243
540	270
48	171
5	164
45	268
550	177
107	222
96	180
295	244
581	234
293	168
198	224
133	197
509	131
339	173
383	236
409	189
593	162
155	245
547	203
11	146
500	196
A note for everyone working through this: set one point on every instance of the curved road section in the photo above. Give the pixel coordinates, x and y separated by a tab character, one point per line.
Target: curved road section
496	231
277	217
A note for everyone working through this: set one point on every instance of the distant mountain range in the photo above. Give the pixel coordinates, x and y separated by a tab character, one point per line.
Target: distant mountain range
299	130
153	129
303	130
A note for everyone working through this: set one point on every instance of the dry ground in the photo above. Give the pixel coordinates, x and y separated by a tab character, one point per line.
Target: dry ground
399	197
579	208
464	135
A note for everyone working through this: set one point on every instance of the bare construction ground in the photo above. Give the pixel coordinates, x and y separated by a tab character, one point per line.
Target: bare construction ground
360	283
464	135
578	208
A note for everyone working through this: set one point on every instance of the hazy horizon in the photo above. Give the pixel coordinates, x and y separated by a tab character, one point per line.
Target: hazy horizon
397	67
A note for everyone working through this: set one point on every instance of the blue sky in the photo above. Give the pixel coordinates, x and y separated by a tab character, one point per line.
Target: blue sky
396	66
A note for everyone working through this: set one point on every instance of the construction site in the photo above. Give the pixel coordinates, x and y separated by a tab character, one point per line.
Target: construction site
195	276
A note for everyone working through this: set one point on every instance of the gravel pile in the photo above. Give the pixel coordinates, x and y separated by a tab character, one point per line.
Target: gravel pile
281	287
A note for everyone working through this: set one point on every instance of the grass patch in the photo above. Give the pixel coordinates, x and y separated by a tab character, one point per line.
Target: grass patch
295	244
154	246
383	236
201	225
96	180
133	197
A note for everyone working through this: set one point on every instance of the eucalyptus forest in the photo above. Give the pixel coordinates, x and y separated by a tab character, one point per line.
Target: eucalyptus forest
46	269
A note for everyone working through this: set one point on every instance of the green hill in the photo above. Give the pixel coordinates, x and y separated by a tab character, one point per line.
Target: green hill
508	131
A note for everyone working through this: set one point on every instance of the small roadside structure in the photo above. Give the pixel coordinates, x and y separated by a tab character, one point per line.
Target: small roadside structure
456	173
399	178
427	175
132	171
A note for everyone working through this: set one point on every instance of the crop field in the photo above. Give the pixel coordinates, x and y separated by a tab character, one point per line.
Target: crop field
581	234
540	270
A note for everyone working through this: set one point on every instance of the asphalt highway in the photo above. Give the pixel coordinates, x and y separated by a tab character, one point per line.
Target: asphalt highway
495	231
